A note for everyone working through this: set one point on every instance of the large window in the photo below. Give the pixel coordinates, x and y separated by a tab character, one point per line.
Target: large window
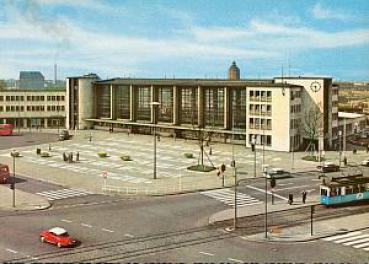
144	107
166	104
214	107
103	101
238	104
122	99
189	105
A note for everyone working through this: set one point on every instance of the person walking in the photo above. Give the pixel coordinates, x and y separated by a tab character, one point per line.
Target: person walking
77	156
304	194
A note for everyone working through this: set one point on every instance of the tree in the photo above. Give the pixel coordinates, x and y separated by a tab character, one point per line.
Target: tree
312	126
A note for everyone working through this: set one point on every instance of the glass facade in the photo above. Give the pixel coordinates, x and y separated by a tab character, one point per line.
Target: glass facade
238	106
188	107
143	106
122	100
214	107
103	96
165	95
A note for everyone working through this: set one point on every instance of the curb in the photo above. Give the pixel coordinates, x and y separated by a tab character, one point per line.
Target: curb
287	239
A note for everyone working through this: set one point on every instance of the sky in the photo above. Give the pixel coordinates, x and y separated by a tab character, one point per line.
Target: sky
185	38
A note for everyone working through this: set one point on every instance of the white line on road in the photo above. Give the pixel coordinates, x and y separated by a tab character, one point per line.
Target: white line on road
235	260
86	225
67	221
107	230
129	235
11	250
294	187
263	191
284	184
206	253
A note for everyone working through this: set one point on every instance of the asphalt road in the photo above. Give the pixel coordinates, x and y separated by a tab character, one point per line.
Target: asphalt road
26	139
172	228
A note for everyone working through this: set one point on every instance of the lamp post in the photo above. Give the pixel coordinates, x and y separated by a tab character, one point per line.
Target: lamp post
253	143
154	105
13	154
339	147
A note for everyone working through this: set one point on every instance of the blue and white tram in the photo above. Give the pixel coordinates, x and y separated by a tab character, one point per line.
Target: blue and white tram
343	190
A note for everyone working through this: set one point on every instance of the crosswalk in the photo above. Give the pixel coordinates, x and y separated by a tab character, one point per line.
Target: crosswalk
64	193
226	196
356	239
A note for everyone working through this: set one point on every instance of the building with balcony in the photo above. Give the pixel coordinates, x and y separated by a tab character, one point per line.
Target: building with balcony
33	108
269	112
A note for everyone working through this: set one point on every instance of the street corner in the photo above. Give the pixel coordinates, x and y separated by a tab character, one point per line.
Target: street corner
21	201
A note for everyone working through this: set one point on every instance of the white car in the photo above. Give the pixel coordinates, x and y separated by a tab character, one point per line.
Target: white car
276	173
365	163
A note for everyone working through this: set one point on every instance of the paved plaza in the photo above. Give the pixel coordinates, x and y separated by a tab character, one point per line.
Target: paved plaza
136	176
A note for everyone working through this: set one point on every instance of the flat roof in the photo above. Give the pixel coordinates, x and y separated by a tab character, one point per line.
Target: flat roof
195	82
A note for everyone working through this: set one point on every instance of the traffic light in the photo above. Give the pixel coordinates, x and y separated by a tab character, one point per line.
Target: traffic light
233	163
222	168
272	182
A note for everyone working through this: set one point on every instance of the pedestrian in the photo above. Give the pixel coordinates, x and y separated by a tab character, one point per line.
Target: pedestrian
64	156
210	151
304	194
90	136
77	156
290	198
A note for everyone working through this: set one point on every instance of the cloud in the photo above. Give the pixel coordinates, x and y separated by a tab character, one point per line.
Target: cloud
320	12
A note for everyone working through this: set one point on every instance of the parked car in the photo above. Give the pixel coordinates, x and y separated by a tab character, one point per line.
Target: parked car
365	163
58	236
328	167
4	173
64	135
276	173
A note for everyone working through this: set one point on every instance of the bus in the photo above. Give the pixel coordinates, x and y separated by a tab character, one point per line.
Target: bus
343	190
6	129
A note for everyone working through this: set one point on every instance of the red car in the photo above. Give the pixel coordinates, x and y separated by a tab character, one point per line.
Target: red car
58	236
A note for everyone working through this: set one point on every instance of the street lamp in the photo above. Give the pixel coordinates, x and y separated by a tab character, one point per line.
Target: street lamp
14	154
253	143
154	108
340	146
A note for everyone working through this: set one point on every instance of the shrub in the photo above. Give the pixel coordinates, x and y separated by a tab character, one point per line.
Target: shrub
45	154
201	168
188	155
125	158
102	154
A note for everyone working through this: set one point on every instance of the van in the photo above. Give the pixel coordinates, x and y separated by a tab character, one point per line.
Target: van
4	173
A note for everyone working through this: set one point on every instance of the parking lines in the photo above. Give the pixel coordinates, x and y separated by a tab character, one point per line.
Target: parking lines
86	225
107	230
11	250
66	221
206	253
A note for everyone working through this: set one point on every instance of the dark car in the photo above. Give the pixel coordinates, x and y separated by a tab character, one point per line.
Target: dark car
64	135
329	167
276	173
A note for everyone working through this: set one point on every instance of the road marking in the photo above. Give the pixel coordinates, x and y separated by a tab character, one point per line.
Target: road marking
316	180
294	187
263	191
341	236
11	250
284	184
129	235
107	230
86	225
235	260
67	221
206	253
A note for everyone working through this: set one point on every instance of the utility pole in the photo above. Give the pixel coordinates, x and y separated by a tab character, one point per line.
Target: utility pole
13	154
266	207
235	199
154	105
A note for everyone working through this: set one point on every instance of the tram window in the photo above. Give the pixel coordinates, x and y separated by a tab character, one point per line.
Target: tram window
323	192
339	191
333	192
348	190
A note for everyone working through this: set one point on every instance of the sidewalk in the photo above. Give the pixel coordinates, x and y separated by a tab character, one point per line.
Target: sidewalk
23	201
300	233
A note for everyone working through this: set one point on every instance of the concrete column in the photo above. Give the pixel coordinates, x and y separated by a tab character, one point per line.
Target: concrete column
132	104
227	108
200	106
45	122
24	122
113	104
176	102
